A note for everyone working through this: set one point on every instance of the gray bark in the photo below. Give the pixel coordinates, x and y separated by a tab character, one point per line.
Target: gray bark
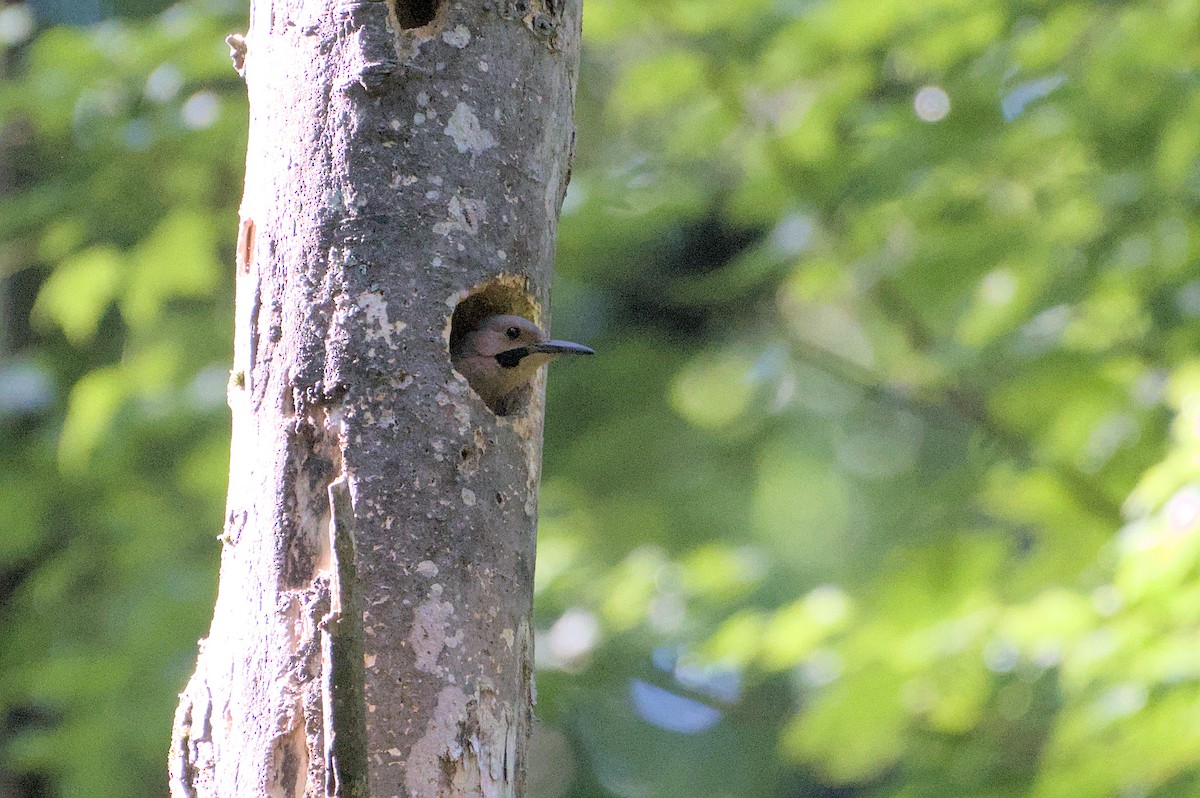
373	618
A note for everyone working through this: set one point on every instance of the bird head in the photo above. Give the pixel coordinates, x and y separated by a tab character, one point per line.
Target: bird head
501	356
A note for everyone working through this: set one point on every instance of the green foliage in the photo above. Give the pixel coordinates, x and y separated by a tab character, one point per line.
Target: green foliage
884	483
122	182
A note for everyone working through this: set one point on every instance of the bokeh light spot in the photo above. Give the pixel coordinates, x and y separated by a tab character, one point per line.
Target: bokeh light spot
201	110
16	24
931	104
671	711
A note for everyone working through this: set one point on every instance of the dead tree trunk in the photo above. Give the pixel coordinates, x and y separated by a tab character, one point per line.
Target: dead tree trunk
406	164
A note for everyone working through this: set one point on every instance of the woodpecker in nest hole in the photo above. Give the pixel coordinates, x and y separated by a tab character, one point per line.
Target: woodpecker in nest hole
500	357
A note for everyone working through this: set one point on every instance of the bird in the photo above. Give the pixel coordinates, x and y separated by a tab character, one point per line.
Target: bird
501	355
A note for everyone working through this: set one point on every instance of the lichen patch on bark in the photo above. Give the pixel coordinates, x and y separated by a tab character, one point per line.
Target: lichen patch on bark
468	135
459	36
464	753
462	216
425	774
428	636
376	323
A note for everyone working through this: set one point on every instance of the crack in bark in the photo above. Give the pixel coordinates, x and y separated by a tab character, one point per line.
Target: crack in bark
342	647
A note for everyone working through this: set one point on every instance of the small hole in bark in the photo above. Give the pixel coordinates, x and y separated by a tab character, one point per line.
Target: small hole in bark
506	295
416	13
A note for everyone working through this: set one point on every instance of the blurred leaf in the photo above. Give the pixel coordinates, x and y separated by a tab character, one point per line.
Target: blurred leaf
79	291
853	730
93	405
175	260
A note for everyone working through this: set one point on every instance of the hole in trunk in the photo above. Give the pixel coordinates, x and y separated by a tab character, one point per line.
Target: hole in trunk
504	296
416	13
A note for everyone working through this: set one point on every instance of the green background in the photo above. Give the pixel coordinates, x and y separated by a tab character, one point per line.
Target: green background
883	484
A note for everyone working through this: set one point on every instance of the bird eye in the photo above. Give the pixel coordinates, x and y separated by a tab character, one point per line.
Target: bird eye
513	333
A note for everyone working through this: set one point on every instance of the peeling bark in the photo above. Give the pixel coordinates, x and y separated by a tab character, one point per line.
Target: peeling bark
373	619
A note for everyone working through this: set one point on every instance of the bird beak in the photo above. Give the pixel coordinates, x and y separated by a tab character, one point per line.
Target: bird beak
561	348
509	358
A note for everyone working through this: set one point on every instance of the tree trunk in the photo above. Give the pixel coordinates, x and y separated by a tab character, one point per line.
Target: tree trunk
406	163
